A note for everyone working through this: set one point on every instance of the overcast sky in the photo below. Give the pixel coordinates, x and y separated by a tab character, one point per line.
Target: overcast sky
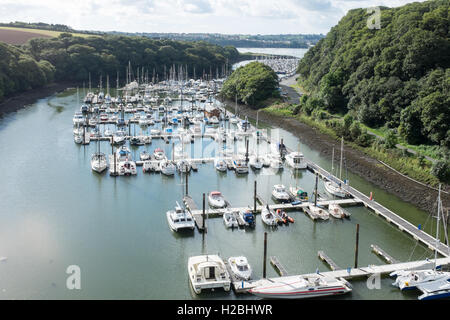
210	16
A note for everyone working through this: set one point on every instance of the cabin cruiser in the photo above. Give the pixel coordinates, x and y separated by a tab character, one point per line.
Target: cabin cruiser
213	120
159	154
123	153
296	160
78	118
279	193
220	164
179	219
167	168
240	267
335	189
208	272
216	199
98	162
300	287
268	216
229	219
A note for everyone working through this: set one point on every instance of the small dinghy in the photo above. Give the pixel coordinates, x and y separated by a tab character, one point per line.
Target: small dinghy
268	216
229	219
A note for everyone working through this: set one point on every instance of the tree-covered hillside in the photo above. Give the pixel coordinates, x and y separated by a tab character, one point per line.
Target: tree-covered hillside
71	58
397	76
251	84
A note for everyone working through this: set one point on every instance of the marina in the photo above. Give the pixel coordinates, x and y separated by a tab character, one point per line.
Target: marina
130	210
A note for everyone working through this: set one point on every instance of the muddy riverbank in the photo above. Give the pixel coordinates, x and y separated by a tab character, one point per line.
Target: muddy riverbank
20	100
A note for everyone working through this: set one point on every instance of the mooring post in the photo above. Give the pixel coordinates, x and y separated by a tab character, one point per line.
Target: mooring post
315	189
281	149
254	199
187	183
356	246
173	151
265	254
204	215
246	149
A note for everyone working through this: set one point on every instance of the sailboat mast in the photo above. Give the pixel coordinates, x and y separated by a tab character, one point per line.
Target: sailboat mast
437	227
342	152
332	162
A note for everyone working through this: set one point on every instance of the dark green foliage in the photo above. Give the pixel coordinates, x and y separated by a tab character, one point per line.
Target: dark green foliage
70	58
252	84
441	170
397	76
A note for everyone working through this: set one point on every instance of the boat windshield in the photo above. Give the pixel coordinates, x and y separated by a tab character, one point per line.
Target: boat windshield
242	268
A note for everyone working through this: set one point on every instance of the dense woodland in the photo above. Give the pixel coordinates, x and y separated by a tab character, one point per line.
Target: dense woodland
251	84
69	58
397	76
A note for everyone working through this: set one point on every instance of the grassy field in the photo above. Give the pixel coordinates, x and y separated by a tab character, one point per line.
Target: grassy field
13	35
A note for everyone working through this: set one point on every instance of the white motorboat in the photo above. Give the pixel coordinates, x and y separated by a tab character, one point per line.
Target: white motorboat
319	212
240	267
255	162
240	166
229	219
298	193
78	138
78	118
220	164
213	120
208	272
159	154
119	137
296	160
336	211
167	168
180	219
98	162
279	193
144	155
300	287
216	199
334	189
183	166
268	216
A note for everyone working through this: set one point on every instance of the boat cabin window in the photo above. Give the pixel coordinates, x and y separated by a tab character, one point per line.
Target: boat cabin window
242	268
210	273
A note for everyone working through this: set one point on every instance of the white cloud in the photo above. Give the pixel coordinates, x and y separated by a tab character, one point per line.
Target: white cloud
221	16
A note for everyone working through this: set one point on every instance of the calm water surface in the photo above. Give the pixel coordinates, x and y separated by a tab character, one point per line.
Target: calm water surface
56	212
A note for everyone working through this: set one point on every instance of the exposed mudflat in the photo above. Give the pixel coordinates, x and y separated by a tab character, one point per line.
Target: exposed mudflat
20	100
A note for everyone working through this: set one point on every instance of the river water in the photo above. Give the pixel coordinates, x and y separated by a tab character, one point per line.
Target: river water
56	212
